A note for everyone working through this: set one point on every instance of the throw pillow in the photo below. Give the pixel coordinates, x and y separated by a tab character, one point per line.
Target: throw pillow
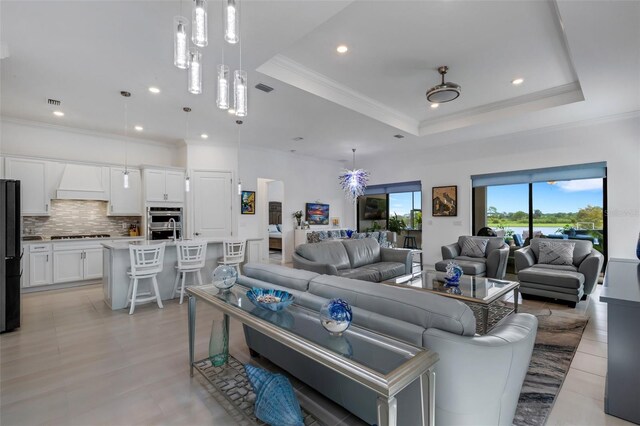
313	237
556	253
383	239
343	233
474	247
279	228
374	235
323	235
276	402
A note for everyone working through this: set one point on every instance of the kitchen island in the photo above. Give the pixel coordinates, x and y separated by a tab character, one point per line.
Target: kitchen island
116	261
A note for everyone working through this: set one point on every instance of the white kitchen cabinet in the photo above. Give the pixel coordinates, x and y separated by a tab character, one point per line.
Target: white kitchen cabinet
76	262
164	185
175	186
68	265
34	192
93	264
40	268
125	202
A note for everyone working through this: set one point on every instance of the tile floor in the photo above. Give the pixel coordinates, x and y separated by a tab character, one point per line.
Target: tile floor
76	362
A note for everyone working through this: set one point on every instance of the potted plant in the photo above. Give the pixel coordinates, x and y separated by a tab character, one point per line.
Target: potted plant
508	236
298	216
396	224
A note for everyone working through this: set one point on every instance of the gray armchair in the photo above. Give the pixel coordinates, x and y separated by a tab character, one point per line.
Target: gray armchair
565	282
493	264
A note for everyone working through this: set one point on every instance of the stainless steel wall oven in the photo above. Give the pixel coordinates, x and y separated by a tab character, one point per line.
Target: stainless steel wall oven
164	223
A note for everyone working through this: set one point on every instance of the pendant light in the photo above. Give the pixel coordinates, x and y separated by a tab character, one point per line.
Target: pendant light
239	123
199	29
195	71
231	22
240	85
180	43
354	181
222	98
187	179
125	174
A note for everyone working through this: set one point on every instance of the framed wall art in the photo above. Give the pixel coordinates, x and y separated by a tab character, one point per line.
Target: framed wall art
444	200
248	202
317	214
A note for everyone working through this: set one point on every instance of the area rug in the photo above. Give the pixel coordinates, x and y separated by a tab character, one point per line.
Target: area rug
231	389
559	333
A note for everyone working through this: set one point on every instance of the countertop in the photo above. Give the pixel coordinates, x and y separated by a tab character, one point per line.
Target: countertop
80	240
124	245
622	283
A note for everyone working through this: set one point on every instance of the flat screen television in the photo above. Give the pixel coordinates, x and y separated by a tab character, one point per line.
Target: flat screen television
375	209
317	214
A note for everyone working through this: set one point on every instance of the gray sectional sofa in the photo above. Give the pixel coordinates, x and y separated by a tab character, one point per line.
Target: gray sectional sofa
478	378
361	259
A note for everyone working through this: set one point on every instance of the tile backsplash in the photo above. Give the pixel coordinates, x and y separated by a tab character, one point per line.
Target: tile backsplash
78	217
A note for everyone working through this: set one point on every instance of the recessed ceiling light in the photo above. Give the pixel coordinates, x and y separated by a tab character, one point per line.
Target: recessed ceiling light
342	49
434	106
139	128
154	89
204	136
58	113
517	81
231	111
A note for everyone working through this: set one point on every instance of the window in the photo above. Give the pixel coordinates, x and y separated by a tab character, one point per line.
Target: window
384	201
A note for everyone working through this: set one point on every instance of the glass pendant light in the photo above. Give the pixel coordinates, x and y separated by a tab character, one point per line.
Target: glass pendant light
195	71
199	23
187	179
240	92
187	186
125	177
180	43
231	22
223	87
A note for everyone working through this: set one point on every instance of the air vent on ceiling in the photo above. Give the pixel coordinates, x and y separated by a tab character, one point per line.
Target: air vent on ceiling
53	102
297	138
264	87
398	136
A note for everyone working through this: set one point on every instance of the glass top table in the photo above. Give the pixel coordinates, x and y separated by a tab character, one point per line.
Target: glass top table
472	290
381	363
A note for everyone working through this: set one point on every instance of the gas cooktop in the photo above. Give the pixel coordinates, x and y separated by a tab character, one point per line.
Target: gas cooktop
79	236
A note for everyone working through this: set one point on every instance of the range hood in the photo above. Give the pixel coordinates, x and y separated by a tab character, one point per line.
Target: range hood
79	182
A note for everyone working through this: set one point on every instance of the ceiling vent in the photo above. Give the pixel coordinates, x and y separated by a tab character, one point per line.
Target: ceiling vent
398	136
53	102
297	138
264	87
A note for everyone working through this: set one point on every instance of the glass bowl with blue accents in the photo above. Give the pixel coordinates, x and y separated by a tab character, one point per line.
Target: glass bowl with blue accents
270	298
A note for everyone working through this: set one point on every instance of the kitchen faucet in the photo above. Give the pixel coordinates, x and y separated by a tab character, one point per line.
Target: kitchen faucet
174	228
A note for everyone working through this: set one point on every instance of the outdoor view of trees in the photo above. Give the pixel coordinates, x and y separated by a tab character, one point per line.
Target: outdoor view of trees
589	217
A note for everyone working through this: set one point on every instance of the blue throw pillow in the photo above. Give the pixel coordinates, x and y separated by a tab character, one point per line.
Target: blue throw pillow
383	239
276	402
343	233
323	235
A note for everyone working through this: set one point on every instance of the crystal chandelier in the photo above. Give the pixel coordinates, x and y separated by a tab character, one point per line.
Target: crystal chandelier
354	181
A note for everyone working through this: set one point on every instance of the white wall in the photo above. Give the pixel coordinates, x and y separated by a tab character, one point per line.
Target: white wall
65	143
305	180
275	191
615	141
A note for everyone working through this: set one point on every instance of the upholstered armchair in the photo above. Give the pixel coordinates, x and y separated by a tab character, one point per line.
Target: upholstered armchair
545	274
479	256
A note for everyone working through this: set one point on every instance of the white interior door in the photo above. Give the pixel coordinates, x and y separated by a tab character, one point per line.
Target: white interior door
212	204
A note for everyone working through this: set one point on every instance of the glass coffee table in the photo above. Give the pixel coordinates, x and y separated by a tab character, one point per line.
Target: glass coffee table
479	293
376	361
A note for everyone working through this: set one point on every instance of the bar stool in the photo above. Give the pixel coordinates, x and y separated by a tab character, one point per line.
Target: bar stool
191	258
146	262
233	253
410	242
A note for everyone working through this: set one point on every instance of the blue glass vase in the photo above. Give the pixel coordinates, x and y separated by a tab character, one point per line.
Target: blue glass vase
336	316
638	247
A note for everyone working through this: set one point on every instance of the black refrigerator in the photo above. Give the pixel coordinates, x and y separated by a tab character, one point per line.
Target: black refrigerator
10	255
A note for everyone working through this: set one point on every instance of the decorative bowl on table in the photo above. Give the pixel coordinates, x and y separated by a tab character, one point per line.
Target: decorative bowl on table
224	277
270	298
336	316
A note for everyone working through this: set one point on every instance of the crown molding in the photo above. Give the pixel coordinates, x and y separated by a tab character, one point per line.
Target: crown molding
291	72
80	131
548	98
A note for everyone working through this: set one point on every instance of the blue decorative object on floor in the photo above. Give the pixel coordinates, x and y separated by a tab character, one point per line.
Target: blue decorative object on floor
453	274
224	277
336	316
638	247
270	298
276	402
